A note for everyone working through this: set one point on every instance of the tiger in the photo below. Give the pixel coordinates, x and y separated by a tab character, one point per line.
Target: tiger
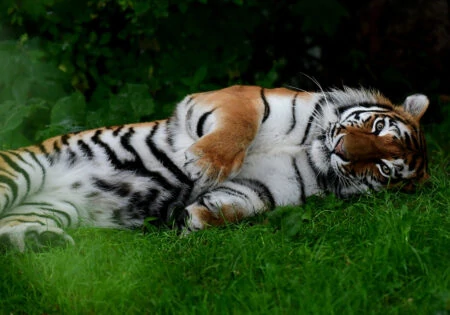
222	156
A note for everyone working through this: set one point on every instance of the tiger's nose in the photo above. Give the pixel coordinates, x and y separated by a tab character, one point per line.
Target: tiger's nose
356	147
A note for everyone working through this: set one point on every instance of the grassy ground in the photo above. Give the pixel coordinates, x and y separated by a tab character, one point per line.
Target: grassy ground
388	253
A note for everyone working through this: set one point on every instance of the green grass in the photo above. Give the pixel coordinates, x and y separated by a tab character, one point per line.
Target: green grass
387	253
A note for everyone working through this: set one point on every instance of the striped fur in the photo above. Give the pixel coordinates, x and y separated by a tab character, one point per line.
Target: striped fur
222	156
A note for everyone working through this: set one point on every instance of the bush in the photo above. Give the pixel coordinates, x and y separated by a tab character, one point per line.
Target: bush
83	64
109	62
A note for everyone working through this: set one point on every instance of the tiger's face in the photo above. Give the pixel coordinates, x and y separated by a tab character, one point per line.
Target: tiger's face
375	145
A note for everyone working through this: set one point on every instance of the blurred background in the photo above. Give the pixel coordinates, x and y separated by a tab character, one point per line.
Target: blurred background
67	65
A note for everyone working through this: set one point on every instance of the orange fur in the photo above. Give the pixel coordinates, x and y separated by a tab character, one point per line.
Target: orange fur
239	113
227	214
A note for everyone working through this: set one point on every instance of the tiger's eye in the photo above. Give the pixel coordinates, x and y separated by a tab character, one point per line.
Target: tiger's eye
386	170
379	125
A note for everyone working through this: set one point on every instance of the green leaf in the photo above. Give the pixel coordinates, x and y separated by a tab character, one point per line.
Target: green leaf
141	7
194	81
97	118
12	116
140	101
69	112
12	140
321	15
20	89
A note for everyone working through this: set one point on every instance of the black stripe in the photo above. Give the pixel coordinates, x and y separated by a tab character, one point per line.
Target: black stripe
363	104
8	202
42	148
117	130
294	119
266	106
63	213
396	117
11	174
121	189
143	206
201	123
415	143
84	147
44	171
64	139
299	179
54	155
164	159
56	147
109	152
20	157
261	190
75	208
13	185
136	166
407	139
365	181
72	157
412	163
125	141
45	206
201	201
315	113
178	196
357	113
231	191
34	157
25	221
17	168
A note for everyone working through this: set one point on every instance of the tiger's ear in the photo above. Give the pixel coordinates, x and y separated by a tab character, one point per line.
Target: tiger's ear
416	105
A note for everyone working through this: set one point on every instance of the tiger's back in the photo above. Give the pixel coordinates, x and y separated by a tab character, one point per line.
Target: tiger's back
223	155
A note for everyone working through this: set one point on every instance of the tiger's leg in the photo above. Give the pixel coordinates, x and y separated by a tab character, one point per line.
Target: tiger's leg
22	214
223	123
37	223
229	202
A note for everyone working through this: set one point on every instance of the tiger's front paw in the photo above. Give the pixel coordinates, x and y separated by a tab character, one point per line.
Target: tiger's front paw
192	220
213	164
206	213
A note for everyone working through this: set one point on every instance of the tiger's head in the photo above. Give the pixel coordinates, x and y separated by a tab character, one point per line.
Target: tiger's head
372	143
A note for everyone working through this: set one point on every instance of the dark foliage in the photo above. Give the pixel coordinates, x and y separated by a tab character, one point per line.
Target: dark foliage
68	65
